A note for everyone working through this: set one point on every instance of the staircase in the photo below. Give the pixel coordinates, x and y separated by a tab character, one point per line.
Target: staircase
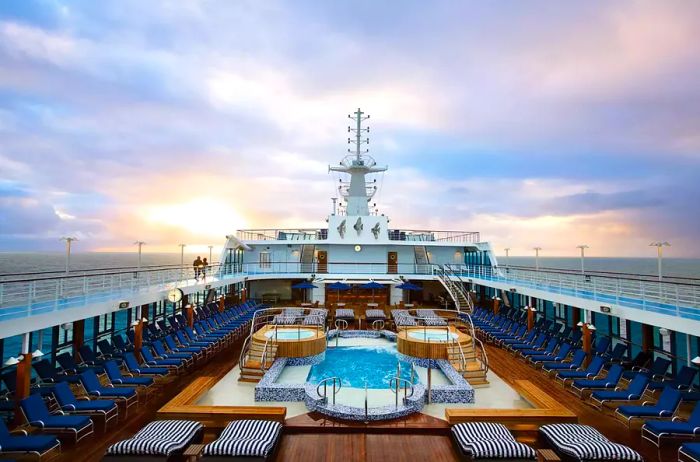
422	261
470	359
307	258
256	359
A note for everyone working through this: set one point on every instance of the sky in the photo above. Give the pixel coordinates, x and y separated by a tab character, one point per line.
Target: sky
539	123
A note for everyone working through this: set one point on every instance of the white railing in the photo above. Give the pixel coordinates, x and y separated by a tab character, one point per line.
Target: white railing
642	292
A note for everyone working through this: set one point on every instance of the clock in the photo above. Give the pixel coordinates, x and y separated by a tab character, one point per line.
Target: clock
358	248
175	295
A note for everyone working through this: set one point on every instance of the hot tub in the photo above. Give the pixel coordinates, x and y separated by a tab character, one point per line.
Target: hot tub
290	334
432	335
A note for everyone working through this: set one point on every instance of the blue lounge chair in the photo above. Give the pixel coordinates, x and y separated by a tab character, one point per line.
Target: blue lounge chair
126	396
561	354
547	350
689	452
48	374
178	365
657	430
593	369
665	407
575	363
657	371
107	350
633	392
9	378
89	357
24	444
173	347
70	366
601	346
617	355
135	368
610	381
682	381
161	353
114	374
37	415
105	409
120	344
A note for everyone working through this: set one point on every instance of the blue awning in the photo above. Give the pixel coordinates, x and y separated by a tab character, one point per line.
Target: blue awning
304	285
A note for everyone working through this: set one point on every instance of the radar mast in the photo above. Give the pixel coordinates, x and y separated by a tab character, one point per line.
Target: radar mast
358	164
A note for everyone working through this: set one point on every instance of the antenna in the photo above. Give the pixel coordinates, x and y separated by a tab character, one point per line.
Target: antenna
357	116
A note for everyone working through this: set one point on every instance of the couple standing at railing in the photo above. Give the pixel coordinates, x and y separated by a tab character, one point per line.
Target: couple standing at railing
200	267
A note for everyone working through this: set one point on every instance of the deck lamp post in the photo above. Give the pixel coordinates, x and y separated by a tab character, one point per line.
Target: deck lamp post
659	253
583	248
182	259
210	247
69	241
507	249
537	257
139	244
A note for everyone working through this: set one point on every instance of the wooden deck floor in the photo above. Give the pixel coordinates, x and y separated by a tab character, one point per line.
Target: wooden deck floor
311	437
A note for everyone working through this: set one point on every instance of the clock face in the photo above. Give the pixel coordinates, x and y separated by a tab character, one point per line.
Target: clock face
174	295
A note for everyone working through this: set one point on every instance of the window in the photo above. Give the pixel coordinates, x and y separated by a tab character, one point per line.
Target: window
265	261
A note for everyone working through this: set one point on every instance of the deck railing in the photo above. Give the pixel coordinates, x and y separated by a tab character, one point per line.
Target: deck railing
38	293
307	234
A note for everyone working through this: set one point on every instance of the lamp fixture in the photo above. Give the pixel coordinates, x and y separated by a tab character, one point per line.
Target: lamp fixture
696	360
11	361
37	353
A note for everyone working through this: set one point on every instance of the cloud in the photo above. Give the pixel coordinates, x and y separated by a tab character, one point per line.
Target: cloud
570	121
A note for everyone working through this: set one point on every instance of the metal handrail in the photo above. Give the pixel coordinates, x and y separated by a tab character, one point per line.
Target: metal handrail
375	323
461	353
398	381
324	382
263	359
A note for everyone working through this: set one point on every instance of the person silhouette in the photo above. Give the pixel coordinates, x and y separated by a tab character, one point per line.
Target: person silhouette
197	265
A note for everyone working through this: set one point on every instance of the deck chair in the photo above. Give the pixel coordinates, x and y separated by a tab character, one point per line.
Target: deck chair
48	374
591	371
633	392
38	446
561	354
178	365
689	452
583	443
601	346
249	440
657	430
76	427
555	366
657	371
135	368
89	357
610	381
161	353
104	409
682	381
114	374
489	441
126	396
665	407
617	355
162	440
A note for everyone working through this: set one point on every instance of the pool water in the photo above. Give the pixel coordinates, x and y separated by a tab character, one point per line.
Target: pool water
356	365
290	334
432	335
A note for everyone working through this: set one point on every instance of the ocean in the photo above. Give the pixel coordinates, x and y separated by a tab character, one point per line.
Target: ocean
27	262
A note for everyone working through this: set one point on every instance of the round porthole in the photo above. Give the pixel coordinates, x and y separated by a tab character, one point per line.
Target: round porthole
358	248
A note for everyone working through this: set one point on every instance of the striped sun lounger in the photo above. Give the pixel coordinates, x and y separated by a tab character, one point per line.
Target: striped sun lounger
249	440
584	443
489	441
158	440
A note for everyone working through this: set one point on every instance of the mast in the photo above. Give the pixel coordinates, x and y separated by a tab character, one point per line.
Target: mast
356	193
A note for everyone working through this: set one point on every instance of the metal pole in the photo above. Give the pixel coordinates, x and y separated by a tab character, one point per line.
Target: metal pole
68	240
182	259
210	247
140	244
583	248
537	258
507	257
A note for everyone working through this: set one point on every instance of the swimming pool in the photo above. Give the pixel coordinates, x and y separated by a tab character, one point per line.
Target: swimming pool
290	334
355	365
433	335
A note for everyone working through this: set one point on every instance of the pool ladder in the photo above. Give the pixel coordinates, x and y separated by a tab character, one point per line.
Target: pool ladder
324	383
340	324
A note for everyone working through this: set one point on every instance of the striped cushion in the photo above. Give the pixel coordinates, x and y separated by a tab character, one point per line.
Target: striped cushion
485	440
162	437
434	321
284	319
424	313
292	312
252	438
344	313
375	314
313	319
586	443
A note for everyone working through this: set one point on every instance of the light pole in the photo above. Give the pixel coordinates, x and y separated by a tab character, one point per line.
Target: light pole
507	249
140	244
659	253
182	259
583	248
68	240
210	247
537	257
